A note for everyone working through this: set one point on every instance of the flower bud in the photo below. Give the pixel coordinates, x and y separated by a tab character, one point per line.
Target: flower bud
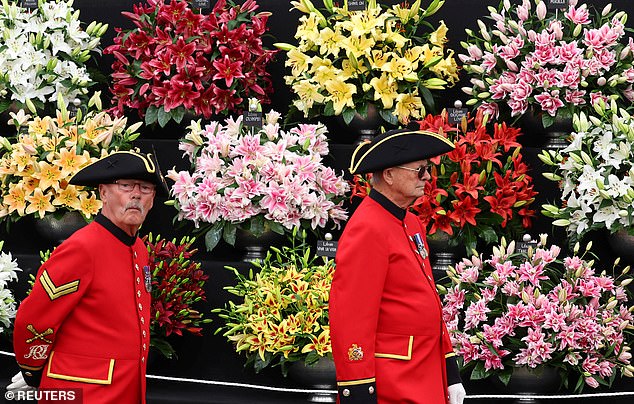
606	10
577	31
562	295
626	282
541	10
611	305
525	297
561	223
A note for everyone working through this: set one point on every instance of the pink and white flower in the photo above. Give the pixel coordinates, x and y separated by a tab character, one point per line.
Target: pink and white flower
275	176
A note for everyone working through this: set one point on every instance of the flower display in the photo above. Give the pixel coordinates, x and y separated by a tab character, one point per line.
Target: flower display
556	62
177	60
284	315
595	172
177	285
8	307
43	53
256	178
382	56
37	164
479	191
536	309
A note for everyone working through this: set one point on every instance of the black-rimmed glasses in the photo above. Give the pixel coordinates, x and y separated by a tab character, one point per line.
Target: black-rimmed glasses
129	186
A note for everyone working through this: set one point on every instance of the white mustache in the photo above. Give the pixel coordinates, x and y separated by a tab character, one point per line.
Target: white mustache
135	205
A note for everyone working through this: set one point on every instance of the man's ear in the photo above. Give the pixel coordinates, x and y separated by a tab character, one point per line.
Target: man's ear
388	176
103	190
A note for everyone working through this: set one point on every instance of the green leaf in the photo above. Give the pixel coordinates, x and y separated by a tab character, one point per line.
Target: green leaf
229	233
388	116
428	98
547	120
151	115
164	117
505	375
4	105
257	226
329	109
212	237
178	114
276	227
478	372
348	115
164	347
488	234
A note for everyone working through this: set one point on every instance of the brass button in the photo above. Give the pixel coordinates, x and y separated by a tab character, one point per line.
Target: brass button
143	359
144	347
136	266
346	393
142	320
143	333
371	389
28	374
134	254
138	280
138	293
140	306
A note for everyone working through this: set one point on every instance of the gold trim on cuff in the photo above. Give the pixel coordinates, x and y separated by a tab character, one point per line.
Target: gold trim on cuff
34	368
356	382
449	355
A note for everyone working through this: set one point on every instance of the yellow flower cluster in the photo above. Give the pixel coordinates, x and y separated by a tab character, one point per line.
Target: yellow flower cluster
286	312
284	315
350	59
36	165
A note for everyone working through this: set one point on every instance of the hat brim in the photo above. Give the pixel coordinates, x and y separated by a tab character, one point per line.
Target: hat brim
397	147
122	165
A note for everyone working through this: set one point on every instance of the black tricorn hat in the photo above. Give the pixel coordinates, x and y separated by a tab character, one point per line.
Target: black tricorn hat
398	146
122	165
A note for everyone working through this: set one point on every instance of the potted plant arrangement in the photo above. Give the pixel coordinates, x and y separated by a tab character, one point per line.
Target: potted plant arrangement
595	174
44	53
478	192
8	273
178	60
256	179
282	314
535	310
384	58
36	165
177	286
556	62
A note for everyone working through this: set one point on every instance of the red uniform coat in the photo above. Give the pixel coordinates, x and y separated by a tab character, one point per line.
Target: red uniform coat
85	324
388	339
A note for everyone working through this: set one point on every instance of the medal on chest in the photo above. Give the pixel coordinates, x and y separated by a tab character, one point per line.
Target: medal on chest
420	246
148	278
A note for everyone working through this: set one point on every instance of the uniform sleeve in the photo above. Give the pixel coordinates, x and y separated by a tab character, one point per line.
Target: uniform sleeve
355	296
59	285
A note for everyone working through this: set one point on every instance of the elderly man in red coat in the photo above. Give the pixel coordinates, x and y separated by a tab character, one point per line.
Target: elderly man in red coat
389	342
85	324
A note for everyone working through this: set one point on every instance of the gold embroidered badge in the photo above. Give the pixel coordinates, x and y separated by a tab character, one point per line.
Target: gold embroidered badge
38	335
53	291
355	353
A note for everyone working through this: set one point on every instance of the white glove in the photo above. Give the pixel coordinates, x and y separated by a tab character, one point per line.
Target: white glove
18	384
456	393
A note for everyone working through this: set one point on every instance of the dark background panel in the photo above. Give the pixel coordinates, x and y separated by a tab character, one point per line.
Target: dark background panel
211	357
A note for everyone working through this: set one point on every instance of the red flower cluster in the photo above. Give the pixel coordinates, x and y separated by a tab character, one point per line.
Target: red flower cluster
480	190
177	60
177	283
